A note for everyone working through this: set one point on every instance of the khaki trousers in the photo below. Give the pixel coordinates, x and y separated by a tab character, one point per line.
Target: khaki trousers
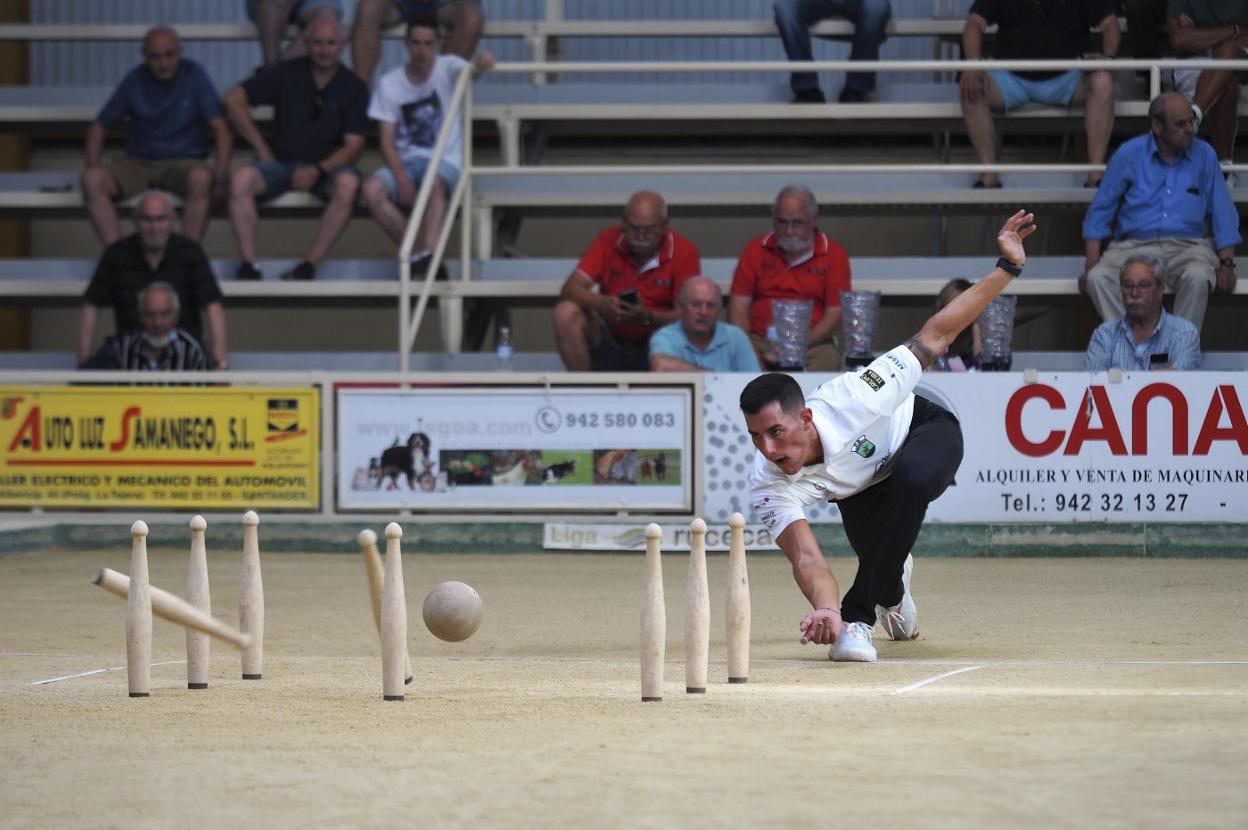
1189	275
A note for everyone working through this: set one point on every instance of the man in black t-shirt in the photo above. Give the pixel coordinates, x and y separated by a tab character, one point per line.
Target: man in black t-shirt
129	265
319	120
1039	30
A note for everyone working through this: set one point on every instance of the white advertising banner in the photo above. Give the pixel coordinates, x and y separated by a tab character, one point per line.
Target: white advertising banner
515	448
1154	447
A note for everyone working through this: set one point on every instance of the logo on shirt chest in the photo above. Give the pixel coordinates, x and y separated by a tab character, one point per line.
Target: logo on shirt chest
864	447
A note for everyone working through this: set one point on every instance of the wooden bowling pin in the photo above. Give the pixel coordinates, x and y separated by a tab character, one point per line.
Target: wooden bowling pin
173	608
393	618
373	570
653	619
251	598
737	605
197	642
139	616
697	612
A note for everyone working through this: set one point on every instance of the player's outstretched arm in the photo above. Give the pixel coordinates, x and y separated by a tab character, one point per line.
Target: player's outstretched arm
815	579
940	330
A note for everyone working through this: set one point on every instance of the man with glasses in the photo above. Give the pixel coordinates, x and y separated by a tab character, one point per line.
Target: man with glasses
168	106
1148	337
155	254
319	121
160	346
795	261
638	269
1162	191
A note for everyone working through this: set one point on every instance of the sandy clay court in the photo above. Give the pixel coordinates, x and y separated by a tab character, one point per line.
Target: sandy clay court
1041	693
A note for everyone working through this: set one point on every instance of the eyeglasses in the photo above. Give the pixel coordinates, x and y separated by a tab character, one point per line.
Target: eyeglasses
790	224
1137	287
642	230
318	105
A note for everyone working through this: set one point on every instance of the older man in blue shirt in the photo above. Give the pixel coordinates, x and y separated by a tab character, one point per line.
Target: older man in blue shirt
1147	337
168	106
698	342
1167	190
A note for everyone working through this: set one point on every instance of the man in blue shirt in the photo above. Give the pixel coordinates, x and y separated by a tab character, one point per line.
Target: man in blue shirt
1166	189
698	341
168	105
1147	337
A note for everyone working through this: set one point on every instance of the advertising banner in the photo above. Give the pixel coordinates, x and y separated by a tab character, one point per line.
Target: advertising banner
515	449
159	447
1159	447
568	536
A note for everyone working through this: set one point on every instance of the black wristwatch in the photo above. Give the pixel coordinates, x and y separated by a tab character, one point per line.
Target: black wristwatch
1227	262
1009	267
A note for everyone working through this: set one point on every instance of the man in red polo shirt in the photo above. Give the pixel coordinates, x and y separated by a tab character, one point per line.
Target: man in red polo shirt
638	268
796	261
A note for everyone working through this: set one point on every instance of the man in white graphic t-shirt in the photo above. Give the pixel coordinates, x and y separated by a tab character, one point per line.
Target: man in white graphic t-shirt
410	105
865	441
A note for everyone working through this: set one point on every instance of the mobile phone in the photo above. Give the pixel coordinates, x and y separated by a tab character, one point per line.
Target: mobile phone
1159	359
630	296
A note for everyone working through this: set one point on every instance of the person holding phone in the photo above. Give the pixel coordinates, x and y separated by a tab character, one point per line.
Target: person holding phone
623	289
1148	337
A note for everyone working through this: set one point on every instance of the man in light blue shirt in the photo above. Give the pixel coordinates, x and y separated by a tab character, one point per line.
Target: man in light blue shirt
1166	190
698	341
1147	337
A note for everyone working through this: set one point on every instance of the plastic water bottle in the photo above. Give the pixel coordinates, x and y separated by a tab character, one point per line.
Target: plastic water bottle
502	347
772	355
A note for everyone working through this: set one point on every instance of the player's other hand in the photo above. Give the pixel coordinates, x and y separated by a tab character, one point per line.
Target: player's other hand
1010	238
821	626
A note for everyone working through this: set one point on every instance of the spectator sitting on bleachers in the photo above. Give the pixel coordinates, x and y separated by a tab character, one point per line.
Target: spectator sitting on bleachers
795	261
638	267
273	16
1213	30
698	341
1160	191
1147	337
1038	31
410	105
963	353
870	17
167	104
462	19
319	121
160	346
154	254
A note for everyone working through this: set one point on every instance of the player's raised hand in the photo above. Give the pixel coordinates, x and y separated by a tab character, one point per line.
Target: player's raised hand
1010	238
821	626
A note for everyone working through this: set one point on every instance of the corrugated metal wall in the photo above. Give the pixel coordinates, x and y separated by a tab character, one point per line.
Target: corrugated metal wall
103	64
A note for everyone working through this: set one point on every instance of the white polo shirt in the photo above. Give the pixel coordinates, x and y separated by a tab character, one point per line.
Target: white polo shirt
862	419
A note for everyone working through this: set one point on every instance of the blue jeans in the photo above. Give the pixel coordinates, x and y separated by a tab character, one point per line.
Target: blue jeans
795	17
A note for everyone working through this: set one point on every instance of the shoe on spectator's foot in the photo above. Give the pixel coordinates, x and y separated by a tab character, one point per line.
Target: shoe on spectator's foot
901	622
980	184
303	271
247	271
853	644
809	96
420	267
854	96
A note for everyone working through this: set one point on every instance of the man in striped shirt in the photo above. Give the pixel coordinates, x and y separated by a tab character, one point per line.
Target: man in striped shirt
160	346
1148	337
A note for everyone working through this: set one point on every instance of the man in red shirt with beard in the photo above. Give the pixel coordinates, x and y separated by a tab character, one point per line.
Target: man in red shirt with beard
637	268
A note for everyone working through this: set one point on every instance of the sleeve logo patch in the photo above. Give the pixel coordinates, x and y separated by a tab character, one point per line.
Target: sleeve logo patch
870	378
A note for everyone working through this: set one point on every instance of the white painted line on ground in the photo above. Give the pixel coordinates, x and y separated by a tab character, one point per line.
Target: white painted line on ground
96	671
27	654
923	683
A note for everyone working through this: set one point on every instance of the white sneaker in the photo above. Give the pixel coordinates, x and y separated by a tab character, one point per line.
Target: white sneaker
853	644
901	622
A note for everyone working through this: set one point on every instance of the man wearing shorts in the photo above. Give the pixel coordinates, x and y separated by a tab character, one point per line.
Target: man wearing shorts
168	105
319	121
1038	31
1211	29
638	268
462	19
410	104
866	442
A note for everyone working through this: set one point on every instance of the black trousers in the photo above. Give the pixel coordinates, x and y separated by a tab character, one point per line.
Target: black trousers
882	521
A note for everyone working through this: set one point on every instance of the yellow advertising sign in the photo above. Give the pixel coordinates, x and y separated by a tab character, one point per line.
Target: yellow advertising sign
159	447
